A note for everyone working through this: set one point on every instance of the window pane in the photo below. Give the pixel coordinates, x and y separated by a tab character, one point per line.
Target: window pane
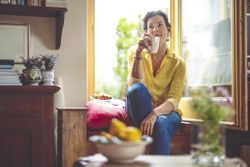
108	50
206	42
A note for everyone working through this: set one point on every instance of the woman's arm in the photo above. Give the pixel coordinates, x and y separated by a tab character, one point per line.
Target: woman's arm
135	62
136	71
164	108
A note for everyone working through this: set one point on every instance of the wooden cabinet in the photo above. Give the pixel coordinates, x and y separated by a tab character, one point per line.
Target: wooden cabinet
72	135
27	126
38	11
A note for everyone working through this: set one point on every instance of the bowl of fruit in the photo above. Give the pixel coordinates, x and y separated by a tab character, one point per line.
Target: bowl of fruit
121	143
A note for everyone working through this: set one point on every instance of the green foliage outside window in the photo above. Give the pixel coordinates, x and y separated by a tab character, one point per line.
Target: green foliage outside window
128	34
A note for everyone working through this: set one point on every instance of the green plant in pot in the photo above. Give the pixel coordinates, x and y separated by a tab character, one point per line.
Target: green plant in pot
32	74
48	62
208	146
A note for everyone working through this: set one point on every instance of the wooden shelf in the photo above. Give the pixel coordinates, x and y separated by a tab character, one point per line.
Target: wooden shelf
37	11
28	89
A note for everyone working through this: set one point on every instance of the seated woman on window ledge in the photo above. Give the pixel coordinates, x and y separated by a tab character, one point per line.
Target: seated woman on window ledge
155	84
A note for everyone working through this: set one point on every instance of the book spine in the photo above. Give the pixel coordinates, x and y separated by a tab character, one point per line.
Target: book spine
43	2
7	84
30	2
20	2
13	2
35	2
4	66
9	70
6	62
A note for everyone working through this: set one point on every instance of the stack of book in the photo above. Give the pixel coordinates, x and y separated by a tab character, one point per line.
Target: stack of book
248	6
56	3
8	76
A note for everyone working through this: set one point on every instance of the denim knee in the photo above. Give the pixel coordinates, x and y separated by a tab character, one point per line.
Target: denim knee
161	137
160	126
167	124
137	89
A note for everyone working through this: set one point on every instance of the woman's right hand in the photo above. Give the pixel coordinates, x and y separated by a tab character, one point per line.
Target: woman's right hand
143	43
147	124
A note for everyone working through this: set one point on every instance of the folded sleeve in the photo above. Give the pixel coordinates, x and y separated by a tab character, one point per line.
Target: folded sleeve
130	59
177	84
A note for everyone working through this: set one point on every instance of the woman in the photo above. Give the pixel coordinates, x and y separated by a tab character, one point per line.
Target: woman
156	82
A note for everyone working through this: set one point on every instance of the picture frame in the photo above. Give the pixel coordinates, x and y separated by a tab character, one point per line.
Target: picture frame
14	43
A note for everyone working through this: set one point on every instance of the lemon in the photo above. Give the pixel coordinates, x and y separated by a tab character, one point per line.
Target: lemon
120	130
116	127
132	134
107	135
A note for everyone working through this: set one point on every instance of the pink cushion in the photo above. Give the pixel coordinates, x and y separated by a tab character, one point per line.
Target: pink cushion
101	112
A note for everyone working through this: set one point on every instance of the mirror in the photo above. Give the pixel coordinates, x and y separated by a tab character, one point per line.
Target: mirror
14	41
213	46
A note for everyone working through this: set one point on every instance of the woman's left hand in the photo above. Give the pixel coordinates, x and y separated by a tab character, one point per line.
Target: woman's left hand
147	124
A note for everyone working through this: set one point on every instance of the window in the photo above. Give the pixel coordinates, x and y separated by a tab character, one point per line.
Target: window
107	55
206	41
198	35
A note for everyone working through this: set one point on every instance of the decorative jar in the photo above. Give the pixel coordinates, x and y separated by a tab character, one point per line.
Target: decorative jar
32	76
48	77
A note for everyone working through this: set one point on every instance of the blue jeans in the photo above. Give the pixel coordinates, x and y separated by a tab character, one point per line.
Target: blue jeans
139	105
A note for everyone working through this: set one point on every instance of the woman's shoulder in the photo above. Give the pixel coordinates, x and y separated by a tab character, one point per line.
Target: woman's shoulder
175	56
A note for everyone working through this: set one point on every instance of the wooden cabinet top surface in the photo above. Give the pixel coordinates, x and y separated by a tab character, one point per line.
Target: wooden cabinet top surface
36	11
29	89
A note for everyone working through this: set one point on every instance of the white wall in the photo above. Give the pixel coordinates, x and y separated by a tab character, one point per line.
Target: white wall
71	63
72	66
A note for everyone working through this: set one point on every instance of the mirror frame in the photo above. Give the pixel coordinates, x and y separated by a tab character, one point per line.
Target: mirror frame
239	65
24	37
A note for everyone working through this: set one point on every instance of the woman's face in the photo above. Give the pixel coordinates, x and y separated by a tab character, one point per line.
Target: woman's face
156	27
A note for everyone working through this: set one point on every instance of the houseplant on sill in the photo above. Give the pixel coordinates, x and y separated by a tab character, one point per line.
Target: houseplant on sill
48	62
32	74
208	146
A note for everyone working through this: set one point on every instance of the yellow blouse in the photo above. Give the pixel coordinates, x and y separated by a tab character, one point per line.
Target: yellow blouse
168	82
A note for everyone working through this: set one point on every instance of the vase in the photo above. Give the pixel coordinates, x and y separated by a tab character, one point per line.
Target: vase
208	144
32	76
48	77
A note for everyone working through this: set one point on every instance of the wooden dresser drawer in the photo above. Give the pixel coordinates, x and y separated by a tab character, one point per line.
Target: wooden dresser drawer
11	105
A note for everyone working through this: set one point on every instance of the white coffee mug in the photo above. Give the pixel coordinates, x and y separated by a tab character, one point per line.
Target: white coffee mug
155	41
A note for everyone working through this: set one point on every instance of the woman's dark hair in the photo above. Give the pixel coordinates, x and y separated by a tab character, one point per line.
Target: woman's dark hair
155	13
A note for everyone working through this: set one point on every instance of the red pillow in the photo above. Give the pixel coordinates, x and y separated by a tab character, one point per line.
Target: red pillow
101	112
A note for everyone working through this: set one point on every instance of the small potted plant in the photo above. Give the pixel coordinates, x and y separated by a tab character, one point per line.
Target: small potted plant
32	74
33	62
48	62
